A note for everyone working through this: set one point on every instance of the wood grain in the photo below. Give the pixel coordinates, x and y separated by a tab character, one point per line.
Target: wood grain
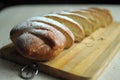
84	61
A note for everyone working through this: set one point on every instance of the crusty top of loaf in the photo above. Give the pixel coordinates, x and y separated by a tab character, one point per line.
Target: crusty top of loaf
45	19
59	26
28	25
40	18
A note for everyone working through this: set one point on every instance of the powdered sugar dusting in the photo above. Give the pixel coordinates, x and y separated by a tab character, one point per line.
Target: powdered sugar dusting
25	39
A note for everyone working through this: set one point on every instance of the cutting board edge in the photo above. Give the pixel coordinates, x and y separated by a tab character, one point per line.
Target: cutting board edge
106	63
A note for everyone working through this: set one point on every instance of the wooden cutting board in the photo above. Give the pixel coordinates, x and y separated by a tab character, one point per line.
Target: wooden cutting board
84	61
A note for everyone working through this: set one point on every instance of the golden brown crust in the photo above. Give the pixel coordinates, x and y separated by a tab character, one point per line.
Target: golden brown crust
41	42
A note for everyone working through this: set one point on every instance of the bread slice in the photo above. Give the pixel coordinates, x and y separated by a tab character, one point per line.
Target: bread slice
67	33
93	18
100	16
76	29
107	15
82	20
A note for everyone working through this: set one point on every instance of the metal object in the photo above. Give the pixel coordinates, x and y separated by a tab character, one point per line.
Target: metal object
29	71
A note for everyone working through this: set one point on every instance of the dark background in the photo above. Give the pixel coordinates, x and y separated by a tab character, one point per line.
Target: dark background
7	3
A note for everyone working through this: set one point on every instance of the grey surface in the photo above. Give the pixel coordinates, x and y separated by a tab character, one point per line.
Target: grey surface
16	14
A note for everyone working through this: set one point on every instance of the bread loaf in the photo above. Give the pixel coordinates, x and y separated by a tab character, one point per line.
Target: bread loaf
42	38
